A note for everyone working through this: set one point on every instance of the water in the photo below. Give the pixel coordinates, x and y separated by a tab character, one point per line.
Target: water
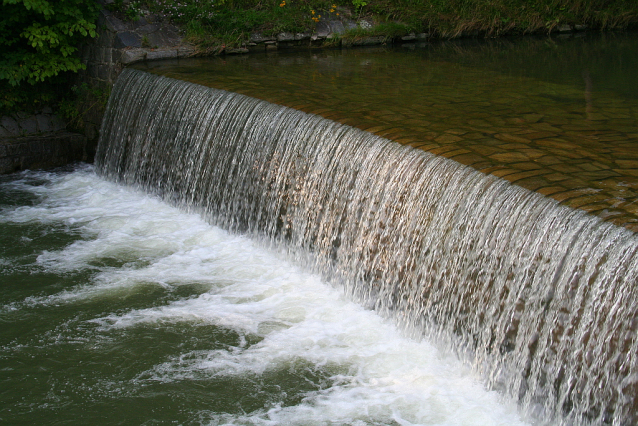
553	115
117	308
537	297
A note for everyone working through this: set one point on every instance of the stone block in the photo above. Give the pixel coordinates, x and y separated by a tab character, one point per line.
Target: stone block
104	72
10	124
106	39
185	51
159	39
322	29
336	27
147	29
285	37
260	38
4	133
44	122
112	23
133	55
116	69
141	22
92	70
128	39
302	36
161	54
104	54
57	123
29	125
116	55
171	32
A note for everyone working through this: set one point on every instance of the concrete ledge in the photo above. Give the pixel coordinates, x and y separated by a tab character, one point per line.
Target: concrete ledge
132	55
43	151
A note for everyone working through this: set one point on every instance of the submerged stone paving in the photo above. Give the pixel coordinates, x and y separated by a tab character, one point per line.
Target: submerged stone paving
578	145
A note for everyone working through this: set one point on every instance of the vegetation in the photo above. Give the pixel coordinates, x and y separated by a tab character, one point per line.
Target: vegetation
40	41
230	22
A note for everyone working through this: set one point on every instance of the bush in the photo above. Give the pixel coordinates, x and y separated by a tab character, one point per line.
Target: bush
40	41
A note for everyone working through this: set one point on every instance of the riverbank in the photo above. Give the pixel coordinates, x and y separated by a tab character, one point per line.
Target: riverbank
215	26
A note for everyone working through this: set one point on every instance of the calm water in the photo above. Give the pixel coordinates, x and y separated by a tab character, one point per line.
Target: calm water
554	115
117	308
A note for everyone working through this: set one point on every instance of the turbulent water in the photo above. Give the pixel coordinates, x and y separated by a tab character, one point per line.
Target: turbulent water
539	298
117	308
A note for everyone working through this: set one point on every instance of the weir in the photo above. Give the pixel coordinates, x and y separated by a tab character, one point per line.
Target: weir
539	297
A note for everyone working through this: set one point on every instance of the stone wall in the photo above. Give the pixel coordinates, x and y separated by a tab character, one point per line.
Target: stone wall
39	141
21	124
42	151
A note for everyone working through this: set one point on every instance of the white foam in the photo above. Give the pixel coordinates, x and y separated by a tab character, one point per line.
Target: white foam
377	375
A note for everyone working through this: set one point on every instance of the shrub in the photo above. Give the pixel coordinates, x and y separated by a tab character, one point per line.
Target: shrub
40	40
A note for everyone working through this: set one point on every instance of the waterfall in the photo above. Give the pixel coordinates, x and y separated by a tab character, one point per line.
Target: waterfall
539	297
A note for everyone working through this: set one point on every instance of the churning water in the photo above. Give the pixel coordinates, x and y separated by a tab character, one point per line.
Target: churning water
538	297
117	308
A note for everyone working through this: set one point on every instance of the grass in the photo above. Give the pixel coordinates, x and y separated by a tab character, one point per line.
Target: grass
230	22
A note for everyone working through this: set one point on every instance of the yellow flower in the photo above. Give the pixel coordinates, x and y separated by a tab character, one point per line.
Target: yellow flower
312	11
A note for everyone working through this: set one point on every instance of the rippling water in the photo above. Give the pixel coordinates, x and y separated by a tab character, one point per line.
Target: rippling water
117	308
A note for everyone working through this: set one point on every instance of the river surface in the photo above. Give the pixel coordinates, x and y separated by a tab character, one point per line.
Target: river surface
116	308
556	115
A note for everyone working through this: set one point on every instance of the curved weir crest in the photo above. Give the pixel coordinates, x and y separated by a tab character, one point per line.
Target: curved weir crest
541	298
